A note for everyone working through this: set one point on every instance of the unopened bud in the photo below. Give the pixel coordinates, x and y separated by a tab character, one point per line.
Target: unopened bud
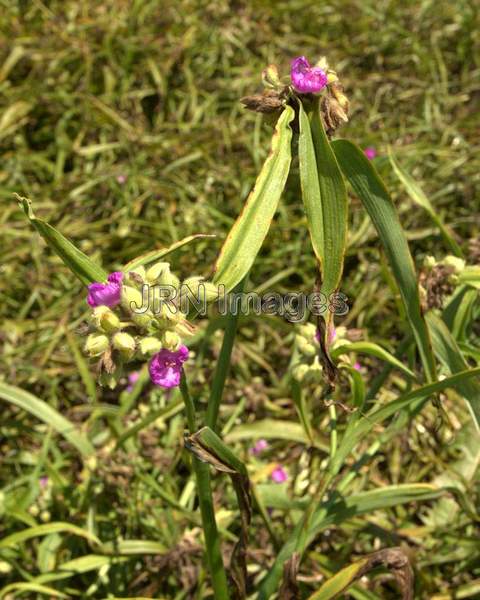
125	344
171	340
96	344
454	261
105	319
154	272
202	290
429	262
270	77
45	516
299	372
132	299
136	276
307	348
150	345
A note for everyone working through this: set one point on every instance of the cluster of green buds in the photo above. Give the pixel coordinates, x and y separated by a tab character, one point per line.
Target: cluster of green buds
138	314
438	280
306	367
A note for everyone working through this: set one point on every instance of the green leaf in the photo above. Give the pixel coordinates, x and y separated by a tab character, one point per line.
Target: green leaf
368	186
48	415
154	255
78	262
48	528
373	350
325	198
450	355
24	586
244	240
418	196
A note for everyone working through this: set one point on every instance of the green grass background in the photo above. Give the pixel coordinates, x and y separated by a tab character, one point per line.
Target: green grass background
94	92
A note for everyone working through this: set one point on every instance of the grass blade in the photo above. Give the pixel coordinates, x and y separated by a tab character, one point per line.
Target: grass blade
449	354
48	415
368	186
251	227
419	197
78	262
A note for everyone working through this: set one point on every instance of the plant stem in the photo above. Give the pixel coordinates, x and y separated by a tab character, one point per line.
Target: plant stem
223	365
209	523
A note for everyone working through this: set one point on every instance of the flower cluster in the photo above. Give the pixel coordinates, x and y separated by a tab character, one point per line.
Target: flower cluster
308	368
438	280
124	335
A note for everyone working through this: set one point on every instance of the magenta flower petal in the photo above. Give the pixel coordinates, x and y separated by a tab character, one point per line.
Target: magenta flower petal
305	78
259	447
357	366
370	152
165	368
106	294
279	475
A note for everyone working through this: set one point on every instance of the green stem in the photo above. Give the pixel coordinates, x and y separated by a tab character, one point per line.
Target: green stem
223	365
209	523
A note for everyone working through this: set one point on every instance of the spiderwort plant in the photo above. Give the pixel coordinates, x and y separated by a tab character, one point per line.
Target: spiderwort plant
311	105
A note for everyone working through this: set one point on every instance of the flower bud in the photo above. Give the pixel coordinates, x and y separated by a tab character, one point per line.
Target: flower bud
305	346
45	516
125	344
300	371
96	344
270	77
105	319
308	331
150	345
132	299
136	276
171	340
205	291
429	262
154	272
454	261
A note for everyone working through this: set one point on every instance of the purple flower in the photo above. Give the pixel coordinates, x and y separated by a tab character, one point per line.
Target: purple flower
106	294
259	447
132	380
370	152
307	79
121	179
43	482
166	367
357	366
279	475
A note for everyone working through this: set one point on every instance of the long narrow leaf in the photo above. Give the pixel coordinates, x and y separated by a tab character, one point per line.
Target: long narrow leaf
449	354
48	415
250	229
325	199
78	262
368	186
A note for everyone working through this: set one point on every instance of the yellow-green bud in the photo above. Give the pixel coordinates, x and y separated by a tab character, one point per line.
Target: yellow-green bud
105	319
270	77
5	567
201	289
150	345
154	272
171	340
34	510
125	344
96	344
429	262
454	261
299	372
45	516
132	299
307	348
308	331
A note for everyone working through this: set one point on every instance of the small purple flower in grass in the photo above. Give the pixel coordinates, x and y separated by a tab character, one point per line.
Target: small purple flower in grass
259	447
106	294
121	179
279	475
357	366
43	482
305	78
166	367
370	152
132	380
